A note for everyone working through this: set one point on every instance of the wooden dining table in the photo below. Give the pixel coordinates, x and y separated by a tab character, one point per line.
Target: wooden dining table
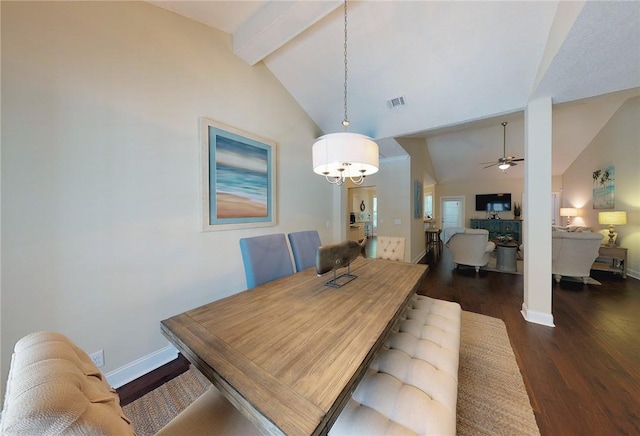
289	353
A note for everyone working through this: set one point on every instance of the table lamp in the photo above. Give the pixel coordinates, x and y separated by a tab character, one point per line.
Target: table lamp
611	218
568	212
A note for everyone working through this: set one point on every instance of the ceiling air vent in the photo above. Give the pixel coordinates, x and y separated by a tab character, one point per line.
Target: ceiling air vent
396	103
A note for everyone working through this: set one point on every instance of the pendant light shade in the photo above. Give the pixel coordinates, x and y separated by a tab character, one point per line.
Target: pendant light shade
339	156
345	154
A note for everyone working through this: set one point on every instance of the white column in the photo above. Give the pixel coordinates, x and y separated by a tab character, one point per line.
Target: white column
536	306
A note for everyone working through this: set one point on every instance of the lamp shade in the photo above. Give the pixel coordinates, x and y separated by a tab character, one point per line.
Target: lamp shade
614	217
345	154
568	211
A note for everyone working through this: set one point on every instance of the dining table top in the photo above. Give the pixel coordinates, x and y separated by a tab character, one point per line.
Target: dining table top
289	353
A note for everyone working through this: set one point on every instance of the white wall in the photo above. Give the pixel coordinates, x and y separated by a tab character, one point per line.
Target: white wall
393	188
101	198
420	163
618	144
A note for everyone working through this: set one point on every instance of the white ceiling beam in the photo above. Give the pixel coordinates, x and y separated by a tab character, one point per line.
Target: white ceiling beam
275	24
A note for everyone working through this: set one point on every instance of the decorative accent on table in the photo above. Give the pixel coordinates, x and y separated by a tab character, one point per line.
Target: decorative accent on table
334	256
238	178
603	188
617	218
568	212
517	210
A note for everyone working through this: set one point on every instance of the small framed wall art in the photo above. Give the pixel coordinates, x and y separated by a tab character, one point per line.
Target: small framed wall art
604	188
238	178
418	196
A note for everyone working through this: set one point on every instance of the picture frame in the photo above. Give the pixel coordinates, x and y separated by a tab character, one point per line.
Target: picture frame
604	188
238	178
418	198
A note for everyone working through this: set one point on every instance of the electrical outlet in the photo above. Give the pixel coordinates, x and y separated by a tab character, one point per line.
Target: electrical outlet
98	358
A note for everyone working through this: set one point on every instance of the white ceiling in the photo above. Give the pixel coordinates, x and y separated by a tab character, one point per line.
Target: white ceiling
463	68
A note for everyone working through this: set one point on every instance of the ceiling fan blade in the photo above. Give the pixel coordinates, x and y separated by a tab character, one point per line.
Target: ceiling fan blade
492	165
511	164
517	160
492	162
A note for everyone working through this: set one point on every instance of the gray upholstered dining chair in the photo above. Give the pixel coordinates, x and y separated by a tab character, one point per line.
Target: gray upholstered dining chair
265	258
304	246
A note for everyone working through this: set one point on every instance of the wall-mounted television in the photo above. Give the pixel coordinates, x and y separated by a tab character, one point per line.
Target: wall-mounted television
493	202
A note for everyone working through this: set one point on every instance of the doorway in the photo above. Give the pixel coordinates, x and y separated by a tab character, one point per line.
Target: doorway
452	211
362	206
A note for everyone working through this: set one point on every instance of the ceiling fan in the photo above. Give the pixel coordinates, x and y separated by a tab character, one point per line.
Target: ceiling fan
505	162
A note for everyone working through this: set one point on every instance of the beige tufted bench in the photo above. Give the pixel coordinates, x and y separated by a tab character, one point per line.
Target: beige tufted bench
54	388
412	385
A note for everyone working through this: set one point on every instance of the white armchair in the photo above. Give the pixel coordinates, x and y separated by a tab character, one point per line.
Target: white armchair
471	247
573	254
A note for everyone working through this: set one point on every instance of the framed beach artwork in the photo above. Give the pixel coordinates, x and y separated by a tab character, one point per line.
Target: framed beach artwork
238	178
418	195
603	188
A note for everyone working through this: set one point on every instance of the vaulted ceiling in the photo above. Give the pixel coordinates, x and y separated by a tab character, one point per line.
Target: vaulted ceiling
462	68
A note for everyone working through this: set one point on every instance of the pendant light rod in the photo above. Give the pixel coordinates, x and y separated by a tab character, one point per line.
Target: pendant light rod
504	139
504	165
345	121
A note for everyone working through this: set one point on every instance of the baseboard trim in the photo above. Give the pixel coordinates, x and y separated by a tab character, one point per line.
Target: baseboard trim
142	366
542	318
420	256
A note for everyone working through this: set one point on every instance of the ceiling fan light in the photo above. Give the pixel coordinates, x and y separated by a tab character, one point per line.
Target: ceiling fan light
504	166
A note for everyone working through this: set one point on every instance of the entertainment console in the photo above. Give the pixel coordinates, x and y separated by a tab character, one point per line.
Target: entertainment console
500	227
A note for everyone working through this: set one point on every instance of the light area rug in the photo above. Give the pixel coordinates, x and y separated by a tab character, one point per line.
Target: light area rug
492	399
590	281
491	266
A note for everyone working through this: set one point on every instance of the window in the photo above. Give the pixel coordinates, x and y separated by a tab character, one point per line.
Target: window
428	206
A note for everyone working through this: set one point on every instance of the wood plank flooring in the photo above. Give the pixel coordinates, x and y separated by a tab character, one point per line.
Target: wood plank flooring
583	376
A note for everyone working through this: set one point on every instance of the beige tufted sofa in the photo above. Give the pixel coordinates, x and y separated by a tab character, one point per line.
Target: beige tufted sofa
412	385
573	254
54	388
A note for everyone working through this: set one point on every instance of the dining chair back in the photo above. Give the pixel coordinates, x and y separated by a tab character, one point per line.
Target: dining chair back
390	247
265	258
304	246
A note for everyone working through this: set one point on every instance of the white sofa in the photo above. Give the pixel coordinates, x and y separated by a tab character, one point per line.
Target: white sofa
470	247
573	254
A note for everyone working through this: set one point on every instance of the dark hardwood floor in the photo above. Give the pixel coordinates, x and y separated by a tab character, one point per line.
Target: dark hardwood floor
583	376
